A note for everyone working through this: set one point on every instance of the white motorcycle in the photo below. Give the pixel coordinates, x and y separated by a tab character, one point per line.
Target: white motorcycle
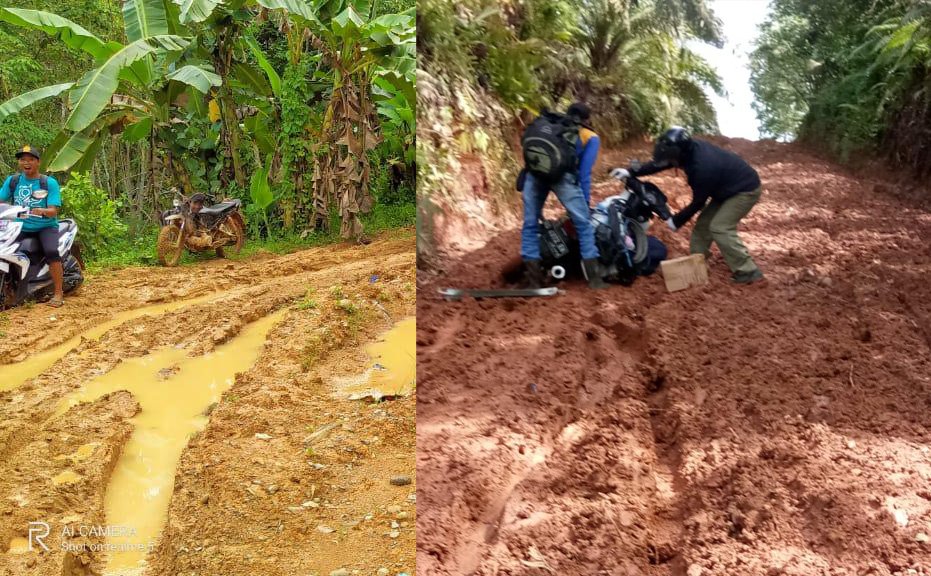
24	273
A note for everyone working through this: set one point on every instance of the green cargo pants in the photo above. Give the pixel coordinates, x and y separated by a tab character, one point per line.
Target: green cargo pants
718	222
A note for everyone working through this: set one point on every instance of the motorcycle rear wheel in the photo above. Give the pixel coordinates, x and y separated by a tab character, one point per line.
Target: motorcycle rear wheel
237	231
170	245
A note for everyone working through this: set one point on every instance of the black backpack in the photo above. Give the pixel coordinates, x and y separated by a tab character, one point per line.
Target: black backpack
549	145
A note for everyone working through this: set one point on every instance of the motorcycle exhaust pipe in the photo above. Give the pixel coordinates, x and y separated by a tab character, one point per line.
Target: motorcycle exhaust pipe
558	272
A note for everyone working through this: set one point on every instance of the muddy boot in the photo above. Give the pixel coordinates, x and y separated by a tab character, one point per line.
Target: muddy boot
747	277
592	270
533	274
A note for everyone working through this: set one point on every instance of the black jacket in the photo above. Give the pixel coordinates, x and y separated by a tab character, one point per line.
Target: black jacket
712	173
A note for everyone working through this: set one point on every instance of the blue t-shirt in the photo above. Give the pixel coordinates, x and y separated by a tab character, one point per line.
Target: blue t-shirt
23	196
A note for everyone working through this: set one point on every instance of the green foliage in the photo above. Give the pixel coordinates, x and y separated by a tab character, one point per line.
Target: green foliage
782	75
850	77
293	142
395	100
196	143
134	249
308	303
390	183
94	213
203	92
812	55
137	249
390	216
381	7
624	56
261	195
274	79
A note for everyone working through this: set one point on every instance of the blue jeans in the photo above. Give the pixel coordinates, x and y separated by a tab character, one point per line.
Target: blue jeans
569	193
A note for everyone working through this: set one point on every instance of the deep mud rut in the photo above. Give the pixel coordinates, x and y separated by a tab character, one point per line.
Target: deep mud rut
288	477
781	428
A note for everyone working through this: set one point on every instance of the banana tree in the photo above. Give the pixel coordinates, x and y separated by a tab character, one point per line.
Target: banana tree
358	49
178	51
221	25
395	98
129	85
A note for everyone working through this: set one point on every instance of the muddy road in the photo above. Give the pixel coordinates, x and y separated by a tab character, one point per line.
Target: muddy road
780	428
201	417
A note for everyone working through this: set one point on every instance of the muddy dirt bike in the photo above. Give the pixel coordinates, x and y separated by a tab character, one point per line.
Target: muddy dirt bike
210	229
621	223
24	272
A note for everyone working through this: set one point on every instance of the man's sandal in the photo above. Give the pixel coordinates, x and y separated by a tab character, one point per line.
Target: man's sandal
56	302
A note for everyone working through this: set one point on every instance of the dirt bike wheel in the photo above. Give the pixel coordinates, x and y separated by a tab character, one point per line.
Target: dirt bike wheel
239	233
169	246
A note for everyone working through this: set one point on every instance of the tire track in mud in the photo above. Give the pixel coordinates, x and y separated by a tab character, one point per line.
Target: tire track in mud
42	327
671	489
566	471
33	453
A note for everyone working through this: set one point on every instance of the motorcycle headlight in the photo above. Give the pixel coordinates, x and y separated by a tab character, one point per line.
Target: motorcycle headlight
175	202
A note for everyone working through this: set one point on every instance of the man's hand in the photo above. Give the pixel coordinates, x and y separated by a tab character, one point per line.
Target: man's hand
37	212
671	224
621	174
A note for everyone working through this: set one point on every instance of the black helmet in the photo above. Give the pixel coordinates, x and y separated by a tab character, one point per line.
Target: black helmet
673	145
199	197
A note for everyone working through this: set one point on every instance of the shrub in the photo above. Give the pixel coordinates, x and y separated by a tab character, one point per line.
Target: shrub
94	212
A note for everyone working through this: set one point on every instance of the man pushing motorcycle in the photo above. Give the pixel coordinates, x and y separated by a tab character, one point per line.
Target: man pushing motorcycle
559	154
42	195
724	189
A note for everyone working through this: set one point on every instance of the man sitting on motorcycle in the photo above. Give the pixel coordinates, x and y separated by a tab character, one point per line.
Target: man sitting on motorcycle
42	195
727	180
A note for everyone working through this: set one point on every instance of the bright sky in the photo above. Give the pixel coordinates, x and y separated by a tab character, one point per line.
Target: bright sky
741	20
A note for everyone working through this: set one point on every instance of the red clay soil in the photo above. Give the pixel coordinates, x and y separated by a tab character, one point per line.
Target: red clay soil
780	428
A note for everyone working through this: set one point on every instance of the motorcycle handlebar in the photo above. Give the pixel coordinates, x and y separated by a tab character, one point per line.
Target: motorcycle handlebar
10	212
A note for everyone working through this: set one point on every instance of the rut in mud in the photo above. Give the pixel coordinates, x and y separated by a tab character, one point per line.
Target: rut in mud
780	428
203	410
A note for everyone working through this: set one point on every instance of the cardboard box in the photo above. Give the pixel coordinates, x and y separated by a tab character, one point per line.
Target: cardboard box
684	272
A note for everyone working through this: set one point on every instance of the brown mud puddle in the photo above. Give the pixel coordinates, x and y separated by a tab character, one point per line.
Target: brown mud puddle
393	369
173	391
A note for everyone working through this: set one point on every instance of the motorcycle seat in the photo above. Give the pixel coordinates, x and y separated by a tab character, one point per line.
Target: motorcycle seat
30	246
222	207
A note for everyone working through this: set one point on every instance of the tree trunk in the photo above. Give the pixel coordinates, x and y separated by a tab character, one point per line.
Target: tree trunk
222	62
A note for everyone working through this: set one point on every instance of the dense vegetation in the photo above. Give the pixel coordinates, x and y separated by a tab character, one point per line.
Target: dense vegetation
848	75
303	109
625	57
484	67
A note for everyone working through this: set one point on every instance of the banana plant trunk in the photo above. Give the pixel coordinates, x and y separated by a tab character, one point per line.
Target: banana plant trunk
222	63
348	128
